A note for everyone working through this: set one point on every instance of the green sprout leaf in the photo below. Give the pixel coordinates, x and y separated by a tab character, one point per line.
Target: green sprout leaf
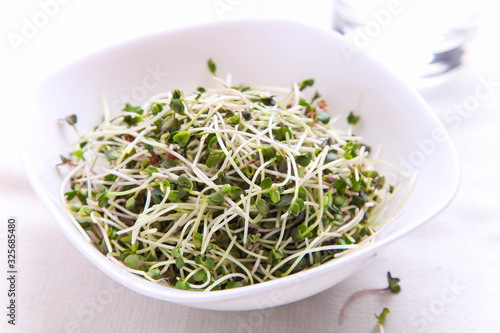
226	188
179	262
381	317
211	66
268	152
370	173
353	119
213	160
233	284
71	119
306	83
262	207
393	283
177	106
154	273
215	198
185	183
266	183
268	101
235	192
134	261
181	284
182	138
323	117
302	193
135	109
102	201
303	160
157	108
275	194
254	238
130	204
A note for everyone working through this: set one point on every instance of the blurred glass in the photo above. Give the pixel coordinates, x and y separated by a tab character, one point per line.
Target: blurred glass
417	39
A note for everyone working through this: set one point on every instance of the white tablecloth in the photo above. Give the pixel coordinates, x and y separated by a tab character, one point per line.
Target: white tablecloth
449	268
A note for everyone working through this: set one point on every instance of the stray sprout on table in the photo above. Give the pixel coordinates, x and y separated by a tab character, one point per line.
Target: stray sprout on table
393	287
225	187
381	319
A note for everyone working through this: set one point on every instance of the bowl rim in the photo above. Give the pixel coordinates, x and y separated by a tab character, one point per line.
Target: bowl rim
148	288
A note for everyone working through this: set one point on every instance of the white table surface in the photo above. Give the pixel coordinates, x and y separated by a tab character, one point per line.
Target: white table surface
449	268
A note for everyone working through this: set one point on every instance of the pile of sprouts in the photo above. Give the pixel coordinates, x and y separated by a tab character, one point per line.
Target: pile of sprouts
222	188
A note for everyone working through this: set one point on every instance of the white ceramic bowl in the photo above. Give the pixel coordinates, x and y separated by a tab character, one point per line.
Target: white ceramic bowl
258	52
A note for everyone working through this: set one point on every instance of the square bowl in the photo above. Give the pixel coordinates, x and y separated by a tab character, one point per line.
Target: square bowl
257	52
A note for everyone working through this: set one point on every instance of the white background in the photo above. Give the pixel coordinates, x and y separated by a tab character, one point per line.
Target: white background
449	268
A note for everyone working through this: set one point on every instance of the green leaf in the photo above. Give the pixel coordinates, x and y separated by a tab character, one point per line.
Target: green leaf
177	195
200	275
303	102
110	178
176	253
352	118
208	262
302	193
266	183
151	169
176	94
323	117
71	119
281	133
102	201
275	195
235	192
370	173
134	261
277	254
233	284
197	239
75	207
182	138
135	109
303	229
179	262
177	106
185	183
85	211
254	238
181	284
130	204
262	207
294	209
156	108
393	283
154	273
213	160
340	185
306	83
381	317
226	188
174	125
70	195
268	152
215	198
201	90
268	101
211	66
303	160
157	196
